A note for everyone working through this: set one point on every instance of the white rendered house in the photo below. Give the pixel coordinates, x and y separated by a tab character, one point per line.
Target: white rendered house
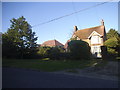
94	36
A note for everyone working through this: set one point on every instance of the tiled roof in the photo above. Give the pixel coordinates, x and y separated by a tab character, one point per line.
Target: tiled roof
52	43
66	44
85	33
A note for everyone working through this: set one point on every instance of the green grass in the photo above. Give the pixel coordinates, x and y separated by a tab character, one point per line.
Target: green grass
47	65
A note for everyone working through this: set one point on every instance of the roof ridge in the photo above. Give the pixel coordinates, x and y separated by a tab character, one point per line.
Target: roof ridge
90	28
52	42
84	33
58	42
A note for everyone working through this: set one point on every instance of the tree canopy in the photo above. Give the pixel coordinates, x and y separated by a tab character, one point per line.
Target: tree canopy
112	33
19	40
113	41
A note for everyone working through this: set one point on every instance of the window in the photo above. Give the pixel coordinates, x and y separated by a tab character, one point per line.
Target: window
95	49
95	40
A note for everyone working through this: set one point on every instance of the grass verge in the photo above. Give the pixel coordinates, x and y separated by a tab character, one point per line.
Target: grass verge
47	65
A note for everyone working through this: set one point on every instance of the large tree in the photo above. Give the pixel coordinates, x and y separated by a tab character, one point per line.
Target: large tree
19	40
113	41
112	33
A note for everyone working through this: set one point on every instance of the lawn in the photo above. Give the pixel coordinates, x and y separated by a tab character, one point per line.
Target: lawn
47	65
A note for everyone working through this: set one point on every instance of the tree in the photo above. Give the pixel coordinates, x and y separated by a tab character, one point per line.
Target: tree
79	49
113	41
112	33
21	39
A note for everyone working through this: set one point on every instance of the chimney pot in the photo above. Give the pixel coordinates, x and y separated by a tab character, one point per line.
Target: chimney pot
75	28
102	22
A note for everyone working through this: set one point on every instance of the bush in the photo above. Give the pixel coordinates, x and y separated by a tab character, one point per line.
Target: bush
56	53
44	51
79	49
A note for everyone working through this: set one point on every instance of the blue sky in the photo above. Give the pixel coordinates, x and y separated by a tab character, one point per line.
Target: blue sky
61	30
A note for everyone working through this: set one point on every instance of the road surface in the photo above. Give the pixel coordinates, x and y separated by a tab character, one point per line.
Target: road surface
22	78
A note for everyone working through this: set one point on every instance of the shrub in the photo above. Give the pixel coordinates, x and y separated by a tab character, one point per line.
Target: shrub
44	51
55	53
79	49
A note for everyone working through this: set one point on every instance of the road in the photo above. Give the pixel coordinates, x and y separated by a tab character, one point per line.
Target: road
22	78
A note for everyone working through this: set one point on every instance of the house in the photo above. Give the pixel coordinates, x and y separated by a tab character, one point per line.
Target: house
66	44
94	36
52	43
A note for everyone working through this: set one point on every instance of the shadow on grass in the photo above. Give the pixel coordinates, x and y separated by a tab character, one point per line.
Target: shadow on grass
48	65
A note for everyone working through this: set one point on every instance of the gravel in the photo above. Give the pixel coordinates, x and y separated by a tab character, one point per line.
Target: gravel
109	71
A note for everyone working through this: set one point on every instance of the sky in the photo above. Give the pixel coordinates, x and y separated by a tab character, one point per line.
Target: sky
62	29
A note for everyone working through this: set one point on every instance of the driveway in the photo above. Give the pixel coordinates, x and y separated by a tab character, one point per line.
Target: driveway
23	78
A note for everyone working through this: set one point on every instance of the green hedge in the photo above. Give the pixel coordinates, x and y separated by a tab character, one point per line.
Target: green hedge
79	50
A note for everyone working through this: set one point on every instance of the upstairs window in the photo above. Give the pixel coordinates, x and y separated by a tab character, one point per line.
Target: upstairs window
95	39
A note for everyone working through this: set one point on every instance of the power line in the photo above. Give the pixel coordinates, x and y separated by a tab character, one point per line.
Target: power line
77	19
71	14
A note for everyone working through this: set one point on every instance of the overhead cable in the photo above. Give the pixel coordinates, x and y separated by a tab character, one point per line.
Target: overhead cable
71	13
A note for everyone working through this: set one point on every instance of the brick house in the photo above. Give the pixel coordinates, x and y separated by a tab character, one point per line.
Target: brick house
94	36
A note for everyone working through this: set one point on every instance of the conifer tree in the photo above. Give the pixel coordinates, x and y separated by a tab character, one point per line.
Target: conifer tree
19	39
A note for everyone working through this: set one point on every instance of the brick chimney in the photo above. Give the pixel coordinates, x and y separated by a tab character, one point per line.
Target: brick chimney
102	22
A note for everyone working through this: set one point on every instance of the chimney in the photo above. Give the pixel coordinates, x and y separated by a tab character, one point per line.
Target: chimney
102	22
75	28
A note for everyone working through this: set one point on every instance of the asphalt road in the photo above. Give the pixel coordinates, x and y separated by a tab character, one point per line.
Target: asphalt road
21	78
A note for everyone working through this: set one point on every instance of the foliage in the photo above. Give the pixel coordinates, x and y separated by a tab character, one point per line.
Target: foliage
54	53
19	41
44	51
75	38
9	49
113	42
118	46
79	49
112	33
